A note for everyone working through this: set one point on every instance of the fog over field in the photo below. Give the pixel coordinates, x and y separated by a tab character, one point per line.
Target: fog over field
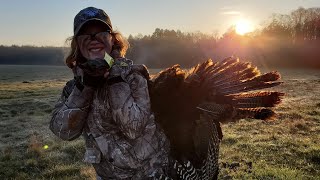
286	148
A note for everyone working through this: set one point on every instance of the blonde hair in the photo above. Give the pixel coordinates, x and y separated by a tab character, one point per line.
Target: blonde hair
119	49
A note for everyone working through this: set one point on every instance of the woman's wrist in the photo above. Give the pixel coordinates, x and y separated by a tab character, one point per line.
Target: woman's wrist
80	99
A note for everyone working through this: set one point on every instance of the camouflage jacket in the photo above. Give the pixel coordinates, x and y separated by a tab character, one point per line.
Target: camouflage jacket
122	138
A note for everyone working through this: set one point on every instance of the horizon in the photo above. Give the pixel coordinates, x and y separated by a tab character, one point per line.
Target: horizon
35	23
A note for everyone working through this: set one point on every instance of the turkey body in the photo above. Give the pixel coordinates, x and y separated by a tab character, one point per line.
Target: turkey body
190	105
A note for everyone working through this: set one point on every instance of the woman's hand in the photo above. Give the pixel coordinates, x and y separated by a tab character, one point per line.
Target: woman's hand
95	67
92	73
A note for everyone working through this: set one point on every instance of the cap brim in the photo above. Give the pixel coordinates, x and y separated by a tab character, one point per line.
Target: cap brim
92	19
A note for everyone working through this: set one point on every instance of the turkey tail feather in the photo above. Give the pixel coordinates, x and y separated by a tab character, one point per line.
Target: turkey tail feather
237	77
257	99
256	113
250	86
258	82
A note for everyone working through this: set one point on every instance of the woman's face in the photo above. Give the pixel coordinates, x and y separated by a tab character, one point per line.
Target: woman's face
94	40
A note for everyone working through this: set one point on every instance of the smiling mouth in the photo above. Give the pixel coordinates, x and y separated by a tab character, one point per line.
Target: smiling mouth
96	49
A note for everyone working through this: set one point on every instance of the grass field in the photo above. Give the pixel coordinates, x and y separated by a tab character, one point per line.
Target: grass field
286	148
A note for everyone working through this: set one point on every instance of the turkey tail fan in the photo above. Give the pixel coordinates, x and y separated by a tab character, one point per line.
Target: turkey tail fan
228	88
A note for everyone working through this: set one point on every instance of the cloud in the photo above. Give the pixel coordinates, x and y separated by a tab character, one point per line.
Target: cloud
225	8
231	13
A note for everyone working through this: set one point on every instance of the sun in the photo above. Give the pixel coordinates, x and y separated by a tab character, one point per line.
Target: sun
243	26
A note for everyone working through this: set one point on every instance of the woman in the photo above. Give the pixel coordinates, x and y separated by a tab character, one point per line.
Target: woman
110	107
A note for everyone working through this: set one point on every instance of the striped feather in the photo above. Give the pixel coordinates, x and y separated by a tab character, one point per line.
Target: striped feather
256	113
257	99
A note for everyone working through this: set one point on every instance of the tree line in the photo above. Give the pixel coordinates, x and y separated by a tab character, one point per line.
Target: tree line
31	55
285	40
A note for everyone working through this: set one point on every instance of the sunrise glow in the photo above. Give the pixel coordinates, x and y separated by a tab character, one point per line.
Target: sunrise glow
243	27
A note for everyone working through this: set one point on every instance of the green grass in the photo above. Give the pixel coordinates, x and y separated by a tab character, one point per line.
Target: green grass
286	148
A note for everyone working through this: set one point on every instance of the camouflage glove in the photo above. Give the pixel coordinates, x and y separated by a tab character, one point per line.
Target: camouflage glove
91	73
119	71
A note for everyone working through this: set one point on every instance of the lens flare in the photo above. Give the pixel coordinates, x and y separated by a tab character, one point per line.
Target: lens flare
45	147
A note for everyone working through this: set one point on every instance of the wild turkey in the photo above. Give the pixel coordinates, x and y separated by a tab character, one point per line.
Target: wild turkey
219	92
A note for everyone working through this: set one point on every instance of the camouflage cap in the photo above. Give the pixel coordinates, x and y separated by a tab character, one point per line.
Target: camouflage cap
89	14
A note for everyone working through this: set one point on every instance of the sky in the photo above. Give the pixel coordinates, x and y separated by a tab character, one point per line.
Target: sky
50	22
